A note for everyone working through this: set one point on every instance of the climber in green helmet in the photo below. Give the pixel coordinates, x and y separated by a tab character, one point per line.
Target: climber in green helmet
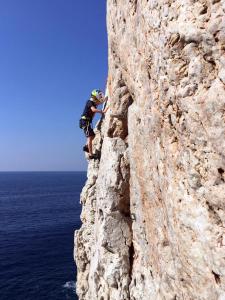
97	97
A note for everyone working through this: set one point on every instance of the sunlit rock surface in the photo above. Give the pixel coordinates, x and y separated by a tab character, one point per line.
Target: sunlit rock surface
154	205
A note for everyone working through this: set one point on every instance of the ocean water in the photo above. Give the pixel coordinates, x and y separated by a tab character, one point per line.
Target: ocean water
39	212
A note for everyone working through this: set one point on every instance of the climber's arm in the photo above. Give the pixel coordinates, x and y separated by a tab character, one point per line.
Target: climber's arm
95	110
105	110
106	105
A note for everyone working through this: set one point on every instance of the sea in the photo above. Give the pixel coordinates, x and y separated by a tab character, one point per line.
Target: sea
39	212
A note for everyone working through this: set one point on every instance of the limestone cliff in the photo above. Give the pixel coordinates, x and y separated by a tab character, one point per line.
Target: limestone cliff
154	205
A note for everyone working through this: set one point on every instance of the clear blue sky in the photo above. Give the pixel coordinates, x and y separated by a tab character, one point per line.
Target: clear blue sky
52	54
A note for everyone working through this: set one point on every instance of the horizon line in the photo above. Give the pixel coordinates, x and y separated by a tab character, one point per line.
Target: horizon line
42	171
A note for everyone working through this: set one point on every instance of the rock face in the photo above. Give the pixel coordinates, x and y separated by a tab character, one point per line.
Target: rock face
154	205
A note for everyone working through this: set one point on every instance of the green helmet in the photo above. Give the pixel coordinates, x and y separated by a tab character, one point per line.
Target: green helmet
98	94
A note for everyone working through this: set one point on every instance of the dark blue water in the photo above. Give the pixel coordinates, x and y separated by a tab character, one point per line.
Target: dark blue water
38	215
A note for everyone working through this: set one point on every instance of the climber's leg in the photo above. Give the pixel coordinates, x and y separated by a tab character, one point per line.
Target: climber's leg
89	144
89	132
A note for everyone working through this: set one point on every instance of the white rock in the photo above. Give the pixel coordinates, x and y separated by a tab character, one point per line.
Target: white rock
153	207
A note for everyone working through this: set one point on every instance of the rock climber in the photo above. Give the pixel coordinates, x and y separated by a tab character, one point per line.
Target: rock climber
97	98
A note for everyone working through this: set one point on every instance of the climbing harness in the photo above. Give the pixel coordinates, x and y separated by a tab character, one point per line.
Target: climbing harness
84	123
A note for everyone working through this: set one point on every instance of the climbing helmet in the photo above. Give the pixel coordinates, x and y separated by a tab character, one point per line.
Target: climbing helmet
98	94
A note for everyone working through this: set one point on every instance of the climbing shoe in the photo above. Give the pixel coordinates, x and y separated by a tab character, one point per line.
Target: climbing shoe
85	148
94	156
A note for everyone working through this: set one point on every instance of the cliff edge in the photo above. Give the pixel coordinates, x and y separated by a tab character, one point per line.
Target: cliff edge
154	205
